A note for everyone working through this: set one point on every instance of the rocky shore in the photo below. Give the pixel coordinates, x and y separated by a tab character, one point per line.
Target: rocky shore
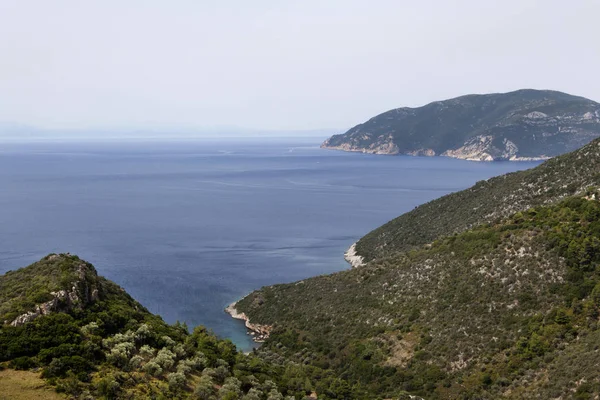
353	258
259	333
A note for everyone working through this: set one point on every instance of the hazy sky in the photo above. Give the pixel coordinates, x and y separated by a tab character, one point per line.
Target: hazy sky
280	64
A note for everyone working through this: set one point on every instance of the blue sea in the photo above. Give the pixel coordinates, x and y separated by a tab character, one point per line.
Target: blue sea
187	227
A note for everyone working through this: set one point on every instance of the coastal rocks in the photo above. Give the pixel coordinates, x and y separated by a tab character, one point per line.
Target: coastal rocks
259	333
382	144
422	153
353	258
483	148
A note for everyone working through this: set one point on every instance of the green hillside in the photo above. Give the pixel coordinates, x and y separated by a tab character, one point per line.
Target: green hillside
487	201
502	310
90	339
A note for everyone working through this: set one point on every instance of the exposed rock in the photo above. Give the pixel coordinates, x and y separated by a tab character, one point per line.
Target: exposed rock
383	145
259	333
81	294
422	153
353	258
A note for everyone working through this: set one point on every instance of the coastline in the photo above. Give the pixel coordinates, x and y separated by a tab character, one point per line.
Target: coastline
483	157
353	258
259	333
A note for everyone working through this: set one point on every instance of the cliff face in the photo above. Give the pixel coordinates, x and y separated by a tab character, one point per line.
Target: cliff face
521	125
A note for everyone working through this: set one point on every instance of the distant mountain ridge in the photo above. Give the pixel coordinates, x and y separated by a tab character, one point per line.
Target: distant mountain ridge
525	124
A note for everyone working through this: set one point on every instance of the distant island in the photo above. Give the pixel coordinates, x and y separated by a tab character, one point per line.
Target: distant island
522	125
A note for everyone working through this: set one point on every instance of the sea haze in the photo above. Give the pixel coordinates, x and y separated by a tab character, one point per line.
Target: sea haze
188	227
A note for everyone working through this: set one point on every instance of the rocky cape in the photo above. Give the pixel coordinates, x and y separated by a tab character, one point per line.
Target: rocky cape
523	125
259	333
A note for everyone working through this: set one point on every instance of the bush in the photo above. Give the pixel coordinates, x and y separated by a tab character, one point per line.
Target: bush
109	387
205	390
176	381
59	367
23	363
152	368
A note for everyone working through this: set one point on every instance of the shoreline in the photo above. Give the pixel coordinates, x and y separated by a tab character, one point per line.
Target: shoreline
259	333
481	158
353	258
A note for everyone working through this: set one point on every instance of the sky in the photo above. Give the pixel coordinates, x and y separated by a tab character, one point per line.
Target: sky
279	65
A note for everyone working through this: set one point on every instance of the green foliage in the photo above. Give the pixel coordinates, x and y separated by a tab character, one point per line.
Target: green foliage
488	202
110	346
22	363
500	297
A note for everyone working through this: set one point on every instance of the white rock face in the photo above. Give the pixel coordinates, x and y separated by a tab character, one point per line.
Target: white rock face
422	152
259	332
481	148
353	258
536	115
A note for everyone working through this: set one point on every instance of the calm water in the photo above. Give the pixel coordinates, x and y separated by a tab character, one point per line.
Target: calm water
188	227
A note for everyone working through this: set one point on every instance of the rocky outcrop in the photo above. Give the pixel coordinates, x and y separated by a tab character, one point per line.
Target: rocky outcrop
259	333
352	257
482	148
518	126
383	145
83	291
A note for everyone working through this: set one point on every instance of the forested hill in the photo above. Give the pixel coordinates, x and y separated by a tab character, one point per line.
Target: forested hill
487	201
492	292
87	338
520	125
504	310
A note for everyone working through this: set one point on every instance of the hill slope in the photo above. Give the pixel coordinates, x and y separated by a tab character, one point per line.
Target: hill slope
487	201
90	339
487	293
503	310
525	124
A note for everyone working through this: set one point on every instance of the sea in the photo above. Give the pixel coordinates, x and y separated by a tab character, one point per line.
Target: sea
189	226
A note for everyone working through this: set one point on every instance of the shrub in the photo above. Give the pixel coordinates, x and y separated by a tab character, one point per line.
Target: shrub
108	387
176	381
22	363
152	368
165	358
205	390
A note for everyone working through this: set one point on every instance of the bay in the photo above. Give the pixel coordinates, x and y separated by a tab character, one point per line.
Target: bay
187	227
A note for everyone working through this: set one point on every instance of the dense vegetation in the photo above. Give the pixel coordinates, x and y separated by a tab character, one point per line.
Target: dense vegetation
487	201
499	310
109	346
537	122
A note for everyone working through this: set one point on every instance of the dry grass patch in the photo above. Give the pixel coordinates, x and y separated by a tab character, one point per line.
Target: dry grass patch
25	385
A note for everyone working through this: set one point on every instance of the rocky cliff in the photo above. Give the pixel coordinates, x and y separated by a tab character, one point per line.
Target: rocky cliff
522	125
